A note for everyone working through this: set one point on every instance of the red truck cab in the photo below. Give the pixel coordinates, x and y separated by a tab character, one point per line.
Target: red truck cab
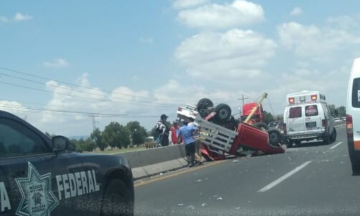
258	115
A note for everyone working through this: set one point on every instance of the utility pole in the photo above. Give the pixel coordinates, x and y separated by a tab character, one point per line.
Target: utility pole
243	99
93	117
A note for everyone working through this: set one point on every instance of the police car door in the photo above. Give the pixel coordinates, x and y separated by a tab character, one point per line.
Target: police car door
5	206
31	169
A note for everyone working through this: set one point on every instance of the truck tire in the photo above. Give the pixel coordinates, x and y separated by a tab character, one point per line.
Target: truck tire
326	139
203	105
289	143
274	137
223	112
355	167
261	126
333	135
117	199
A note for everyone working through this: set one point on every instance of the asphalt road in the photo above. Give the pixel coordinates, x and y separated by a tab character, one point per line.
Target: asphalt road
312	179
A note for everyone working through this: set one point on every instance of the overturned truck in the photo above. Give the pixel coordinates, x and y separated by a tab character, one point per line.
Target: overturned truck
222	135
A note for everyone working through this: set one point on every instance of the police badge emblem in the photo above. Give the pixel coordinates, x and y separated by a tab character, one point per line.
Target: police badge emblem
37	197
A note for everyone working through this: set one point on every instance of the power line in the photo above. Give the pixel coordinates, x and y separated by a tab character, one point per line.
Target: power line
76	90
26	109
75	85
89	99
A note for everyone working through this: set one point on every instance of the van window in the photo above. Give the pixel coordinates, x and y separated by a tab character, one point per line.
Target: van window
295	112
311	110
356	93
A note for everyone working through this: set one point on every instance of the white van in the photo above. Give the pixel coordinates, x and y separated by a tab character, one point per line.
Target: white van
307	117
353	116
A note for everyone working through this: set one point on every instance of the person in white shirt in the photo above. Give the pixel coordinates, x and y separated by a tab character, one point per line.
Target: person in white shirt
192	122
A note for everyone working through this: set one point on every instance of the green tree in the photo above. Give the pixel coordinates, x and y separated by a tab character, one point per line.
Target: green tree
96	136
85	145
342	111
153	132
268	117
73	144
116	135
138	133
332	108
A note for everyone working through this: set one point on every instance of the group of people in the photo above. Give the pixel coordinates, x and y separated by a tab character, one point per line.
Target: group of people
187	134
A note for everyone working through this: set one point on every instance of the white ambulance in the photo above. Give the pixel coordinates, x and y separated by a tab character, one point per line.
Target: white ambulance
353	116
307	117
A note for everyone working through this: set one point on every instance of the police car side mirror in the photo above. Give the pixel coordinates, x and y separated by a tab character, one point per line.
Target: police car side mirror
60	143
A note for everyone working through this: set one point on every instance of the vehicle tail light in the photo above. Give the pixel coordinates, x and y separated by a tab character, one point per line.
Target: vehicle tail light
324	122
291	100
349	126
313	97
179	109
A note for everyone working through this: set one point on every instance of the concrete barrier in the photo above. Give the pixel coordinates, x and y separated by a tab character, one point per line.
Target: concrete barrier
149	162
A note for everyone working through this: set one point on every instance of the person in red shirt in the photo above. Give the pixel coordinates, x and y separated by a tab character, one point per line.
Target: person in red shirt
174	128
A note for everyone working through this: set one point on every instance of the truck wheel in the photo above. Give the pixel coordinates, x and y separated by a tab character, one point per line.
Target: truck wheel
289	143
203	105
262	126
355	169
223	112
117	200
333	135
274	137
326	139
297	142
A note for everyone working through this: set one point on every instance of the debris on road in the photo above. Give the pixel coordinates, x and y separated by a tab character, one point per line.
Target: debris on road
191	207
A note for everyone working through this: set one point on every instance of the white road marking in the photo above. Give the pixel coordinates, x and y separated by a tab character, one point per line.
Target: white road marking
284	177
334	146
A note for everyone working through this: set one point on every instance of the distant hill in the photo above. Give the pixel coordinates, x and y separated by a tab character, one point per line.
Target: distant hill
79	137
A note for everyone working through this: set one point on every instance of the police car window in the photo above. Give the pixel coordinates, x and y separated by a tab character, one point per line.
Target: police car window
295	112
311	110
356	93
17	140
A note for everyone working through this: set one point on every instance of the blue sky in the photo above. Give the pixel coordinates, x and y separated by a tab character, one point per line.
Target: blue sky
148	57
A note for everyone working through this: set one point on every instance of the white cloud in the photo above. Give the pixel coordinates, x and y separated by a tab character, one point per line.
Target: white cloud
148	40
56	63
344	22
146	106
215	16
22	17
180	4
4	19
317	43
225	56
13	106
18	17
296	11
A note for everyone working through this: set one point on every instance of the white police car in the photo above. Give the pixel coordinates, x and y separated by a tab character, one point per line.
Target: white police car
38	176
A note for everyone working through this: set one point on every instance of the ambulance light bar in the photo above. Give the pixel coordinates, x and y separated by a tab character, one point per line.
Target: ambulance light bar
313	97
291	100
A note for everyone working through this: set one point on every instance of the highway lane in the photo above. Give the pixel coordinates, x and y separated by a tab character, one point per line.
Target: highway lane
311	179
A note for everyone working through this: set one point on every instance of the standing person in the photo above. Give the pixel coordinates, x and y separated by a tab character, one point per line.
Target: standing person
173	133
163	131
187	132
197	141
